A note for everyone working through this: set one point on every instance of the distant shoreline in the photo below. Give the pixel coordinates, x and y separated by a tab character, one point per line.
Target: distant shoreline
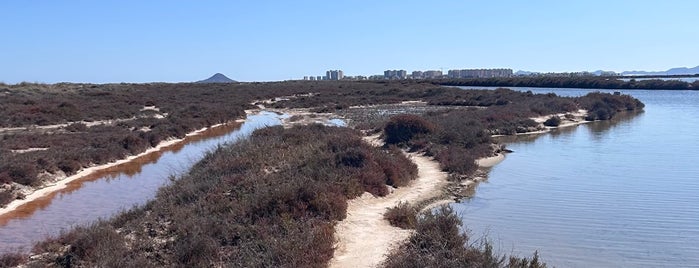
610	83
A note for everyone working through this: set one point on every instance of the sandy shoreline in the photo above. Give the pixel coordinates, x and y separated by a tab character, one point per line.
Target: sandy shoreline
60	184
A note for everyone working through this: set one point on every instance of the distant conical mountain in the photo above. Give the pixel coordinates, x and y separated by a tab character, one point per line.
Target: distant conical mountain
217	78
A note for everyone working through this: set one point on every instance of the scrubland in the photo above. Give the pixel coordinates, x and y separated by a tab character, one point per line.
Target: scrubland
274	198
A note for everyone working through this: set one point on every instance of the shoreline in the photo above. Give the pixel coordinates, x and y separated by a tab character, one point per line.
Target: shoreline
364	238
63	182
578	119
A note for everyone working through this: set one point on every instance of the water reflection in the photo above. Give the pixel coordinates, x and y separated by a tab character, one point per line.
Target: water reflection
600	127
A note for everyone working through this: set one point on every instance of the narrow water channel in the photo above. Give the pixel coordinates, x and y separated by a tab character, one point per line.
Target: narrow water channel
109	191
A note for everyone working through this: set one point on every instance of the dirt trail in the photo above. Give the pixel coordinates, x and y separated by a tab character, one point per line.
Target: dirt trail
364	237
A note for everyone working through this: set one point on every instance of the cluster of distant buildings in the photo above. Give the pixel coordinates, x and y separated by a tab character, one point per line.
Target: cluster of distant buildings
403	74
329	75
487	73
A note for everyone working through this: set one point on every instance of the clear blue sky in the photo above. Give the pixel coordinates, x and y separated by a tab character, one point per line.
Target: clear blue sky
173	40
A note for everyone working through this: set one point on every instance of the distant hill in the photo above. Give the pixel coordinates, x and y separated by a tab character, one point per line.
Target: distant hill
525	73
217	78
673	71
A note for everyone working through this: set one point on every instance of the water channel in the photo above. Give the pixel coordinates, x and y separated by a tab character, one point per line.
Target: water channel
109	191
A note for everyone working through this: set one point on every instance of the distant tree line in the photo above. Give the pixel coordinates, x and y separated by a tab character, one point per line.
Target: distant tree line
571	82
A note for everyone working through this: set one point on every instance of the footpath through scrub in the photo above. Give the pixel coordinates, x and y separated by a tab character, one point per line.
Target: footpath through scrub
364	238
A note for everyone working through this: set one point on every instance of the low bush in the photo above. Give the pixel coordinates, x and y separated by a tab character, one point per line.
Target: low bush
402	215
5	198
553	121
76	127
398	169
23	173
605	105
69	166
402	128
438	242
456	160
12	259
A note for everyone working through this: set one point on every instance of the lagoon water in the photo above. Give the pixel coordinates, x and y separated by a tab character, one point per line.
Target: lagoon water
608	194
106	192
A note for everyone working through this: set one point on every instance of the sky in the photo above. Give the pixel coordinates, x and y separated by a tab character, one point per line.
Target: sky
263	40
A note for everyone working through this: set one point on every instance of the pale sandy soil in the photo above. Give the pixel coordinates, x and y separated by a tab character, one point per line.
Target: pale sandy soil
364	237
88	124
28	150
490	161
61	183
578	118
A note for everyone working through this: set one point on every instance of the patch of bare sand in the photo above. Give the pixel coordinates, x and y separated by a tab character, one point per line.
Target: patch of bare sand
364	237
487	162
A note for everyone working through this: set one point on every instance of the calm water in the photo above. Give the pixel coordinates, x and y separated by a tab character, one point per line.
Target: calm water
109	191
684	79
610	194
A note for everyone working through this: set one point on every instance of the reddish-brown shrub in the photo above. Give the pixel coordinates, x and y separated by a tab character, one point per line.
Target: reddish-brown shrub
12	259
69	166
76	127
23	173
456	160
401	128
402	215
5	197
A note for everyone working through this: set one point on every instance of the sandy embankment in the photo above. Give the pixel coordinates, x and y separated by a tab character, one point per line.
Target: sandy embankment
61	183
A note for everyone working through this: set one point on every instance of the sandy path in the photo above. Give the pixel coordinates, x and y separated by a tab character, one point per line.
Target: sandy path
364	237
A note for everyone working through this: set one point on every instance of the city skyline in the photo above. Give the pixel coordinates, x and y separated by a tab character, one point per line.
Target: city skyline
178	41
